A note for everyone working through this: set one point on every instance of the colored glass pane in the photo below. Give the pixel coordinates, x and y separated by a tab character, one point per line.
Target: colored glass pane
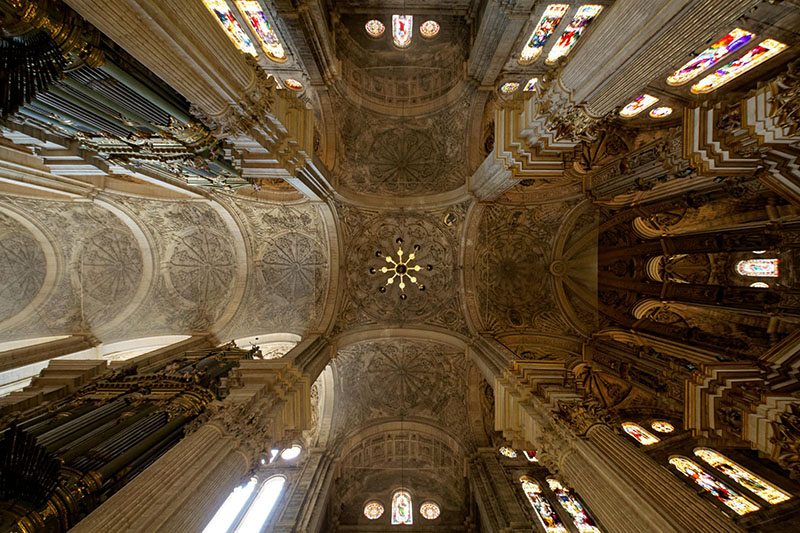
272	46
227	513
508	452
293	84
738	503
429	28
742	476
660	112
759	268
639	433
530	86
531	456
755	56
401	508
568	40
571	504
262	506
510	87
547	516
733	41
544	29
429	511
375	28
373	510
662	427
759	285
231	26
402	29
637	106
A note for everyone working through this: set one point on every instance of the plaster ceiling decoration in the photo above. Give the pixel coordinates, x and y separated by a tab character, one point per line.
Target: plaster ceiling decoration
199	269
438	234
383	155
22	267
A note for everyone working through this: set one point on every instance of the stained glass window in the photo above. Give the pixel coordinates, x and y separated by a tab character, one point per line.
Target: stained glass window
759	268
638	105
662	427
759	285
227	513
508	452
660	112
726	495
292	453
544	29
375	28
429	28
742	476
429	511
531	456
231	26
530	86
733	41
585	15
293	84
373	510
639	433
509	87
755	56
401	508
262	506
272	46
402	29
547	516
571	504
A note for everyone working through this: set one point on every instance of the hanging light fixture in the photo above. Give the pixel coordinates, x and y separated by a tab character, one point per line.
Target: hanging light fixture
402	269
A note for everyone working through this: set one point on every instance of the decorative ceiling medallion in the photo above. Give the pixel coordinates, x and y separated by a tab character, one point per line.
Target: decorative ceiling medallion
400	269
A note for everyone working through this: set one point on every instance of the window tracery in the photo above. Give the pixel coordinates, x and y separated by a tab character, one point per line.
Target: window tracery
585	16
402	30
570	503
735	501
636	431
231	26
731	42
764	51
402	508
544	29
547	516
257	19
758	268
742	476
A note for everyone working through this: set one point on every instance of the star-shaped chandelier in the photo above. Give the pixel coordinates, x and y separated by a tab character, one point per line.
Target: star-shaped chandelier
402	269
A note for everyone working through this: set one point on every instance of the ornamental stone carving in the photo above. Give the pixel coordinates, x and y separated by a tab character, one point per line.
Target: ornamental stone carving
200	267
293	265
22	267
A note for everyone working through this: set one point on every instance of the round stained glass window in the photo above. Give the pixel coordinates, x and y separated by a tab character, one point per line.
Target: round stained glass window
375	28
508	452
510	87
429	511
429	28
373	510
661	112
293	84
292	453
759	285
662	427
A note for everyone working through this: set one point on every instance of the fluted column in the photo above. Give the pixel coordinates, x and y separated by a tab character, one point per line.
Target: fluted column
306	502
500	509
179	492
36	353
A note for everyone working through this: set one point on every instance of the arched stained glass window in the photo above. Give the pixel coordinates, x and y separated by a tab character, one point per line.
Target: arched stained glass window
570	503
731	42
530	85
738	503
585	15
758	268
227	513
765	50
231	26
638	105
544	29
402	29
260	509
251	10
373	510
742	476
508	452
639	433
401	508
547	516
530	456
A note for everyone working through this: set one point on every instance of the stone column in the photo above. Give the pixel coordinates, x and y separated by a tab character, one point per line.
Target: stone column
496	495
11	359
305	503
